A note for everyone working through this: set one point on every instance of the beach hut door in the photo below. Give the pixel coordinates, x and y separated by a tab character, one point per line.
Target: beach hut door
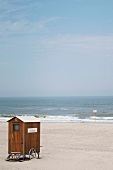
16	138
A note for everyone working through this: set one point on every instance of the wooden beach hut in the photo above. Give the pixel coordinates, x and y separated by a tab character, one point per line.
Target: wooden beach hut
23	137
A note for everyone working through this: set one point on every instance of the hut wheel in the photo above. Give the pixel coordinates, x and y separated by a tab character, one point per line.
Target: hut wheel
32	153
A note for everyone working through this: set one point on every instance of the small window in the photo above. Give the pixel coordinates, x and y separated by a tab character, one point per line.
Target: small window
16	127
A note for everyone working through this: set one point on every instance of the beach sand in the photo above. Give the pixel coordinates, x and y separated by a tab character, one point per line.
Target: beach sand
66	146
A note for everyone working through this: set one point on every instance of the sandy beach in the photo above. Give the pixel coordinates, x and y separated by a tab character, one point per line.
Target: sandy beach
66	146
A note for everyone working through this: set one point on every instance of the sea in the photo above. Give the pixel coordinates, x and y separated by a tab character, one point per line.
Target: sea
90	109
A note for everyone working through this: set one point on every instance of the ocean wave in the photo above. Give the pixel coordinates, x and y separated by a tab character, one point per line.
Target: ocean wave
69	119
4	119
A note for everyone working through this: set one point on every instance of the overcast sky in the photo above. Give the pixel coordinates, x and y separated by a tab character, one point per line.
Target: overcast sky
56	47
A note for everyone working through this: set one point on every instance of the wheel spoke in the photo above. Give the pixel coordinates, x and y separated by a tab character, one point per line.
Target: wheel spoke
32	153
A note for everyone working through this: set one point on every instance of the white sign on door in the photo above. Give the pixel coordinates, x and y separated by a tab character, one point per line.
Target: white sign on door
32	130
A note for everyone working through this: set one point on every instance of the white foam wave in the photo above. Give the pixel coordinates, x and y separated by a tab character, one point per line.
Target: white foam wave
77	119
49	109
69	119
4	119
63	108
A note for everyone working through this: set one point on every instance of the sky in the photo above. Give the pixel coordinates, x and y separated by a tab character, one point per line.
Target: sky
56	48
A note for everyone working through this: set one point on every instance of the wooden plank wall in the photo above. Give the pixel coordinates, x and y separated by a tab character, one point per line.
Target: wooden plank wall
32	140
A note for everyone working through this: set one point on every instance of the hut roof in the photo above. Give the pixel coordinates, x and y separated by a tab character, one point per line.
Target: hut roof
26	118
